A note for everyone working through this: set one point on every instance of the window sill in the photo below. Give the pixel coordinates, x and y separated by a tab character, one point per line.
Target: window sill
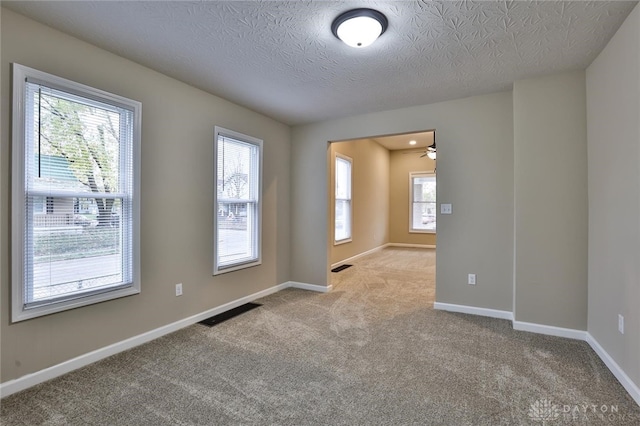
337	243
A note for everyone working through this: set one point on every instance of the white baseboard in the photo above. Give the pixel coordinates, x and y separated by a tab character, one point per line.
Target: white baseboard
550	330
625	381
473	310
357	256
622	377
425	246
41	376
311	287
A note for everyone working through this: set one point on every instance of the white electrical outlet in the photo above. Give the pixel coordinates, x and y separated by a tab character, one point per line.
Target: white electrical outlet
620	324
179	289
471	279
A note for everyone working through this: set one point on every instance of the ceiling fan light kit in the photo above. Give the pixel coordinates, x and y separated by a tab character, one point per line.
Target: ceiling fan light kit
359	27
430	151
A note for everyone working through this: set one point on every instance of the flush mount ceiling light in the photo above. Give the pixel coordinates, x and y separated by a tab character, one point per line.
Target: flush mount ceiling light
359	27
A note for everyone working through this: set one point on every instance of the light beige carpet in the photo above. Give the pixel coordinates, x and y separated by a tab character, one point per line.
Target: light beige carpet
371	352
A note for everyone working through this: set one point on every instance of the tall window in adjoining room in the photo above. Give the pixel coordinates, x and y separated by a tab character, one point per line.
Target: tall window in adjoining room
342	226
238	181
422	187
75	194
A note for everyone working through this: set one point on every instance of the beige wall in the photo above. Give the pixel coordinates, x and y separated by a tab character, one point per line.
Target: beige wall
550	164
613	113
176	191
475	174
370	197
402	163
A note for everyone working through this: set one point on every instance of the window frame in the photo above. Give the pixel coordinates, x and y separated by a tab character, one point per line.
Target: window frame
257	260
20	251
349	200
413	230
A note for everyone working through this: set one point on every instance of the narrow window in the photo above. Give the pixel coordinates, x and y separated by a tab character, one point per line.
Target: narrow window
72	145
238	216
342	229
422	187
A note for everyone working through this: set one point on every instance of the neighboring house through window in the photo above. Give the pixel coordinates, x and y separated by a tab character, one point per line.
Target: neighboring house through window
343	211
75	195
238	218
422	187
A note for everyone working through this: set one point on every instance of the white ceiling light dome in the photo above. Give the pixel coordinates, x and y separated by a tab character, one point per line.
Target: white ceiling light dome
431	149
359	27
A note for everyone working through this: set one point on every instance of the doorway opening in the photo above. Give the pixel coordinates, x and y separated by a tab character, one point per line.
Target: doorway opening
382	200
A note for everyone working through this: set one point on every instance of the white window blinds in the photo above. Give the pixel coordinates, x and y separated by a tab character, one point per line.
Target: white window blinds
238	214
78	194
342	225
423	202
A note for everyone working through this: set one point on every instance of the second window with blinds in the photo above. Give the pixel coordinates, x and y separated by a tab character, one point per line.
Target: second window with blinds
343	211
238	181
422	187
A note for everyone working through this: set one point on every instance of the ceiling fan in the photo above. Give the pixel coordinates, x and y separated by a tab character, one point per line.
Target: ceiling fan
430	151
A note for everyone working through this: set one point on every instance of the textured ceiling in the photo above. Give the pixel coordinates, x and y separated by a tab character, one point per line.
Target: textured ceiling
280	57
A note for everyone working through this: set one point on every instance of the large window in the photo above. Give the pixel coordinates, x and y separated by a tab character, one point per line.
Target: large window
423	202
342	228
237	223
75	194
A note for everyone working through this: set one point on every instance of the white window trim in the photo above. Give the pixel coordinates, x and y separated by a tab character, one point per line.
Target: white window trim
350	237
18	310
220	131
411	230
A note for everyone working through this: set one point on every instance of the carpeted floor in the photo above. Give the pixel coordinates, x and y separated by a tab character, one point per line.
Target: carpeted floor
371	352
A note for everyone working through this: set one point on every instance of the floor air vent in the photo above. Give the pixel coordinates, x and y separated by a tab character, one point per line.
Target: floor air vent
217	319
341	268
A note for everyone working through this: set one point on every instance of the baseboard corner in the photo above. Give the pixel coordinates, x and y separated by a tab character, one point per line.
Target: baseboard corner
310	287
473	310
549	330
